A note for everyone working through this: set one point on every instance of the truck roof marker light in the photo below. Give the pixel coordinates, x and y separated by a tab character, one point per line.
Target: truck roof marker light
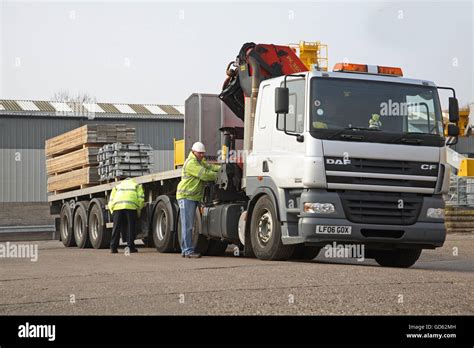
388	70
364	68
259	178
350	67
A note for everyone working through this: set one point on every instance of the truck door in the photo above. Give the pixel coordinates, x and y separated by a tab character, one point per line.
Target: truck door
287	153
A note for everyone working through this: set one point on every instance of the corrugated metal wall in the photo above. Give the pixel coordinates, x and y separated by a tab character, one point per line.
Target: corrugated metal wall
22	159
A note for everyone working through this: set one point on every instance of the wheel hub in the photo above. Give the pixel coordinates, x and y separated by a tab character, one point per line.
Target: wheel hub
264	228
161	226
94	227
64	227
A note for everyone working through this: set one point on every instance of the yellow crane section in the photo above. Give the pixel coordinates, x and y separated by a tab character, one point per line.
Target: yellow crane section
312	53
463	164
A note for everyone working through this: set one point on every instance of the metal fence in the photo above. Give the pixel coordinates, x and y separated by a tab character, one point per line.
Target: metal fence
461	192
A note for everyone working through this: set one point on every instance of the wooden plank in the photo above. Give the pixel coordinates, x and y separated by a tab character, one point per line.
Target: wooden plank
89	134
459	224
73	179
80	187
81	158
459	230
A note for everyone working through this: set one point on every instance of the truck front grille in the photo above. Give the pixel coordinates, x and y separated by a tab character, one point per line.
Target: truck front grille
362	173
381	208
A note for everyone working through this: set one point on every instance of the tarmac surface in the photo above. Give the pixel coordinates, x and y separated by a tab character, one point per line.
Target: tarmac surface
73	281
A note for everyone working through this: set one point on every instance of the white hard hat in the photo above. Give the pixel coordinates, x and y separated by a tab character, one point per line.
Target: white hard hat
198	147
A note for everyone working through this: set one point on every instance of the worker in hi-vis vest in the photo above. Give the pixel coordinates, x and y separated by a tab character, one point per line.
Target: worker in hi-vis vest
126	202
196	171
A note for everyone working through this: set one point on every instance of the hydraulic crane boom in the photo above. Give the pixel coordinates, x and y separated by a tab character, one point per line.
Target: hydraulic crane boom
255	63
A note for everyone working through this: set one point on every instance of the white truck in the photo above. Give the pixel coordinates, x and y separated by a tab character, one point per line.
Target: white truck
353	156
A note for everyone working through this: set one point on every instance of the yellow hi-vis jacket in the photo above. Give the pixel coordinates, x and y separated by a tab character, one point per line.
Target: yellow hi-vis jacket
127	195
193	176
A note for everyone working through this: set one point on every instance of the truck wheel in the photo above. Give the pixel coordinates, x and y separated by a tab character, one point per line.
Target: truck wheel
265	233
99	235
402	258
81	234
303	252
216	247
65	226
162	229
200	242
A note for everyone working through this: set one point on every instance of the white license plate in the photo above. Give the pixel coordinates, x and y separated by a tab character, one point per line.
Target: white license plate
328	229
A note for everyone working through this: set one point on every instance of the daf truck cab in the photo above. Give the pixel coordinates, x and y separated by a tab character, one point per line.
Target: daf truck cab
353	156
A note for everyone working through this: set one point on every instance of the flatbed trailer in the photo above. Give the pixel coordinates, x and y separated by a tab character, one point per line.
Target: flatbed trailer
85	221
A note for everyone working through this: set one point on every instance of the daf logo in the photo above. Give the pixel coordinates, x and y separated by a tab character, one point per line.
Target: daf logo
339	162
428	166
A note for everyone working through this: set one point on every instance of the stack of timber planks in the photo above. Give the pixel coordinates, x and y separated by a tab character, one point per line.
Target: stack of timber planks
459	219
72	157
119	161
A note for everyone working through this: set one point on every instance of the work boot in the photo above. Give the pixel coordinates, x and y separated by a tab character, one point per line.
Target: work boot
133	250
193	255
113	250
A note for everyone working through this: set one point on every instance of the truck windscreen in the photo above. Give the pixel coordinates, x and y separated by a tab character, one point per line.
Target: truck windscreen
382	107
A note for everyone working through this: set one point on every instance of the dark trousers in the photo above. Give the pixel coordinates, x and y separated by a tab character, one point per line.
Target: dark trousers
124	222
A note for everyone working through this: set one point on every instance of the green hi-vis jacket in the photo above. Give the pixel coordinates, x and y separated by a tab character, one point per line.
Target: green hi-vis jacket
127	195
193	175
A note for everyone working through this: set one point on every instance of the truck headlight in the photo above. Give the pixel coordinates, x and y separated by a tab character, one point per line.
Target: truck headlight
319	208
435	213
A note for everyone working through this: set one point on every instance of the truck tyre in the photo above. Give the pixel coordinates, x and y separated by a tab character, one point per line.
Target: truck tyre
303	252
216	247
265	233
200	242
162	228
65	226
99	235
81	234
402	258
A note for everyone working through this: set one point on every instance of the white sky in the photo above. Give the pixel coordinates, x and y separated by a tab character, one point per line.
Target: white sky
161	52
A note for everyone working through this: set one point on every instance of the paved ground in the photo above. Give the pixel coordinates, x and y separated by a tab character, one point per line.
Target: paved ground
88	281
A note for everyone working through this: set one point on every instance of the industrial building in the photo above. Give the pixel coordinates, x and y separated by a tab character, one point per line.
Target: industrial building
25	125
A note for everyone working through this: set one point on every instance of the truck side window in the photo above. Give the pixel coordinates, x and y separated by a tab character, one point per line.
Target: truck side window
295	116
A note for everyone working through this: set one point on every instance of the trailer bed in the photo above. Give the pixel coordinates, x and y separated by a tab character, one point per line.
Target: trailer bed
154	177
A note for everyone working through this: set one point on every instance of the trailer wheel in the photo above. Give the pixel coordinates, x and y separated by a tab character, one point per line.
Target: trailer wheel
162	228
402	258
65	226
81	234
216	247
265	233
99	235
303	252
200	242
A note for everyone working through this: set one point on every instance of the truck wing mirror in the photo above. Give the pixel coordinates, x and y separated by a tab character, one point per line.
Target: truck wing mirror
453	130
282	100
453	110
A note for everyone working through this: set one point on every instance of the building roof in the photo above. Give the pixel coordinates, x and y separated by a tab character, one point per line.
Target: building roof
89	110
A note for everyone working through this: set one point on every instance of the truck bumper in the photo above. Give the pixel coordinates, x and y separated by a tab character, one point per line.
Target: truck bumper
421	234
